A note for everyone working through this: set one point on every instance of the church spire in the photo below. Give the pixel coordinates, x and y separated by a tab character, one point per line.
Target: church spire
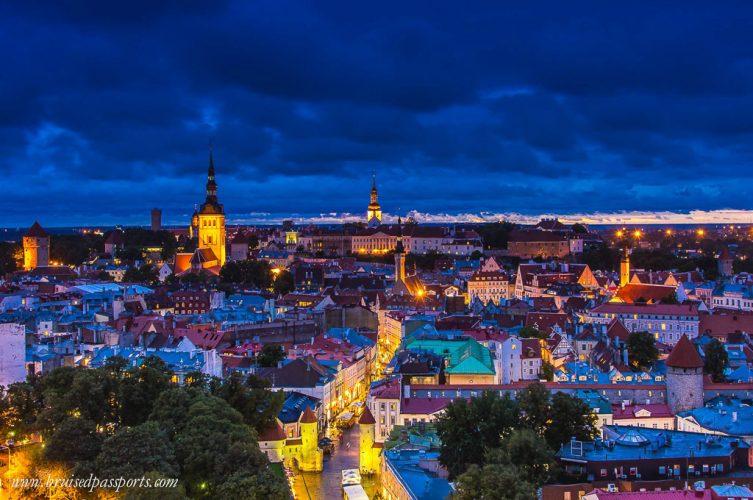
211	183
374	212
374	193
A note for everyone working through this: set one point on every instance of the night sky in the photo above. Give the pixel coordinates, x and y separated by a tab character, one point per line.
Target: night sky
462	108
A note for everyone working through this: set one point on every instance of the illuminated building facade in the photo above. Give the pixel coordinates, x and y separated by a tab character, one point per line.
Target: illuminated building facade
36	243
211	219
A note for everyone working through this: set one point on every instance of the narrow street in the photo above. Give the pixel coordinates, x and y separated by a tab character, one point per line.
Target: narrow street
326	485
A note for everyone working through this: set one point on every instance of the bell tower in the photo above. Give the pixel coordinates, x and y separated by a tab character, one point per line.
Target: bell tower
374	212
211	218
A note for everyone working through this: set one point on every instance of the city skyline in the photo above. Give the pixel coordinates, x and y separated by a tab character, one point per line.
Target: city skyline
498	110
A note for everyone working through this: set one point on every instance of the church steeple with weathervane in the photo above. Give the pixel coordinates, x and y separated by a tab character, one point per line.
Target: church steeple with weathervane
374	212
211	219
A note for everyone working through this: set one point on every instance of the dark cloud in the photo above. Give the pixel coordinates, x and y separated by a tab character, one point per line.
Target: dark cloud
106	109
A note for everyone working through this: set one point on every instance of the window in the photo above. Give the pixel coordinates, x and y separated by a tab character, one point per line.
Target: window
603	473
633	471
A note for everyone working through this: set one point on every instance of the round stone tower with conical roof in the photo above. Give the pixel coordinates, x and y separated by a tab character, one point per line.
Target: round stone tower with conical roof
684	377
370	450
36	243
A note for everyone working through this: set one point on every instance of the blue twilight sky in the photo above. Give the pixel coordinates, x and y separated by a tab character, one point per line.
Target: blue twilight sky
462	108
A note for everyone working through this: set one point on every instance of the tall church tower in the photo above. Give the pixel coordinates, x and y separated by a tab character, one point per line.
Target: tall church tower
625	267
36	243
211	219
374	212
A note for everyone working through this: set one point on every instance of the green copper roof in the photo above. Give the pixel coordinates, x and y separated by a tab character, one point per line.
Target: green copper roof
464	356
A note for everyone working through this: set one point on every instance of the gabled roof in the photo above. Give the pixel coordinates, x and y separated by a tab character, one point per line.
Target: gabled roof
617	330
684	355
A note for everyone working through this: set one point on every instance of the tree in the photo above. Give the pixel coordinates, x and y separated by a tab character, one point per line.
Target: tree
527	452
22	403
534	406
496	234
10	253
152	493
466	426
170	410
132	275
569	417
262	486
141	388
531	332
642	350
493	481
252	398
547	372
213	444
579	229
75	440
284	283
249	272
716	360
134	451
270	355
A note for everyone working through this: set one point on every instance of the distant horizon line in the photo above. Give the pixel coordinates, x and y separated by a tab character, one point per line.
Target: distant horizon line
719	216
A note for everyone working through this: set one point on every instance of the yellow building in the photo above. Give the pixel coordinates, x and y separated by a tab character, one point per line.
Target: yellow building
211	220
370	450
374	212
36	243
301	452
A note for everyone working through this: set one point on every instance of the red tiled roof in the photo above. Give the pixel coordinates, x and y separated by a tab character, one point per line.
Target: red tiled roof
720	325
308	416
272	433
661	309
424	406
633	292
684	355
386	389
366	417
631	411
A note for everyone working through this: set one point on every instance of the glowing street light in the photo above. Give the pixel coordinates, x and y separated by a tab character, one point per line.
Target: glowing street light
701	232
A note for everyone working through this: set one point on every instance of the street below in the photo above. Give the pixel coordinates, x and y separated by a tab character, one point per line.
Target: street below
327	484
